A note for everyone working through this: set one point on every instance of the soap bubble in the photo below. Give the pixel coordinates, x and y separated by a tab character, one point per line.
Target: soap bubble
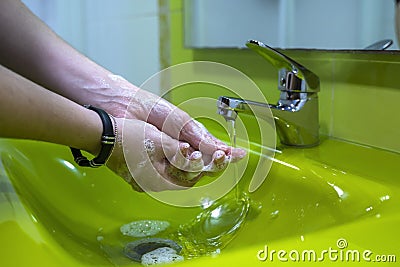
144	228
161	256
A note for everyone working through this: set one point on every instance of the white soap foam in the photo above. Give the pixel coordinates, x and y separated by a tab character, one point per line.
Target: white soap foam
144	228
161	256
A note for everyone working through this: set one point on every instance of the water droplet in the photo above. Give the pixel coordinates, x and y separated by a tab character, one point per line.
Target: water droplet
34	218
206	202
384	198
217	251
368	209
274	214
273	198
302	212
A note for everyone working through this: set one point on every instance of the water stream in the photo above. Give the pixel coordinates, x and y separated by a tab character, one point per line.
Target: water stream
216	225
232	136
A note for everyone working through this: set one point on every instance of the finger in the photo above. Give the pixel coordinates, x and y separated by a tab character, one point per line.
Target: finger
219	163
208	144
196	163
192	170
200	138
237	154
179	154
179	160
182	178
218	157
177	124
184	148
166	117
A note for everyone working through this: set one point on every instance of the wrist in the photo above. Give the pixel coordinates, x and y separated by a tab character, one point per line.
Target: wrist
102	147
109	92
91	140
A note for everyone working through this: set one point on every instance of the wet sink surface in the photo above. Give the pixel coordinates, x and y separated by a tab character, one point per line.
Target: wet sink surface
58	214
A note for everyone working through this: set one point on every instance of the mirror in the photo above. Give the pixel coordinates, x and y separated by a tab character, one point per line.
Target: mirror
305	24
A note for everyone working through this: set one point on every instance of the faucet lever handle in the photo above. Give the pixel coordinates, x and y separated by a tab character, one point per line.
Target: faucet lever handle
288	68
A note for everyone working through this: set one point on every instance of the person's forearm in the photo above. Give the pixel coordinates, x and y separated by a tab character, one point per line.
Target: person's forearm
31	49
29	111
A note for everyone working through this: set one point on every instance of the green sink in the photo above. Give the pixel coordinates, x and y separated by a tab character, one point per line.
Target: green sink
334	203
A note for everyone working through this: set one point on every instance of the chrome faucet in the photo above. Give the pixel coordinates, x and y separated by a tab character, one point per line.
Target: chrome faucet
296	113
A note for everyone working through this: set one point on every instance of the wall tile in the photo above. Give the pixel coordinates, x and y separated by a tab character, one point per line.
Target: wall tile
120	9
121	35
127	47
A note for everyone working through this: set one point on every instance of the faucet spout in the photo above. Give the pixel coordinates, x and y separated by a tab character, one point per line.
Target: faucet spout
295	125
296	113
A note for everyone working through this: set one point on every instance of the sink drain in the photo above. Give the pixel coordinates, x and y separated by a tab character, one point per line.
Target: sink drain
136	249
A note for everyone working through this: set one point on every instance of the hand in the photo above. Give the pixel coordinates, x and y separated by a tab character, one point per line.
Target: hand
134	103
155	162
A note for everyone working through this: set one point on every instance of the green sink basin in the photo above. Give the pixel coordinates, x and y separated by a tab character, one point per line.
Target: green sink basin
334	203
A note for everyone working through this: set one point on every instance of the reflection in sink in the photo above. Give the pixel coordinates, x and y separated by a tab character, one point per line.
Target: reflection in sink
311	198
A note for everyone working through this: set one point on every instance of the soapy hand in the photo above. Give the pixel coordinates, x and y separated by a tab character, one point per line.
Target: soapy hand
177	147
155	162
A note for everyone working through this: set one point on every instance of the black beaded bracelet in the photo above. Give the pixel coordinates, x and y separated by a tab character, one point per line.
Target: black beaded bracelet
108	138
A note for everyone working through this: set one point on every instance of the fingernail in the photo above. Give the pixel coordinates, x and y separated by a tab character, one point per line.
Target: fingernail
184	148
185	145
196	155
219	156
